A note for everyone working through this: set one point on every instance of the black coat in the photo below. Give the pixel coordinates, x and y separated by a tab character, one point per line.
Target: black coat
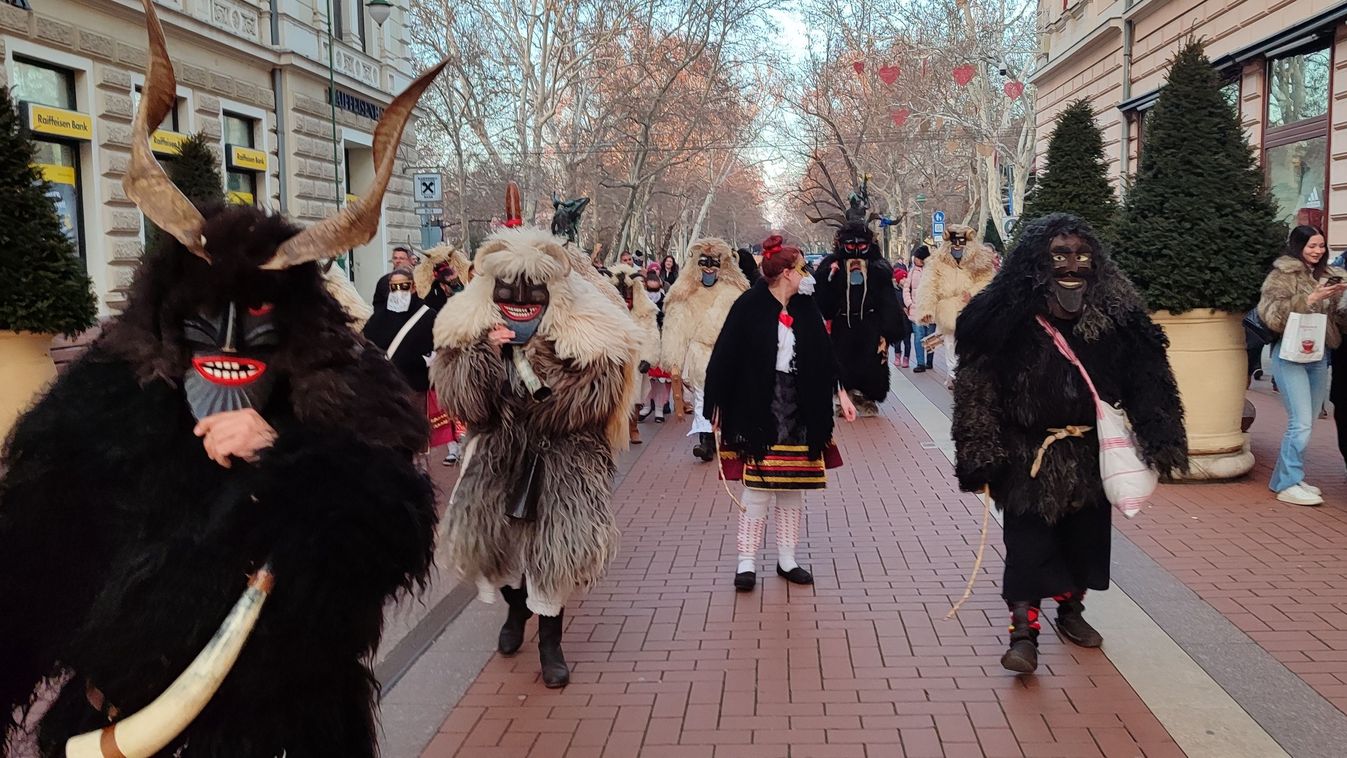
1013	386
741	377
875	314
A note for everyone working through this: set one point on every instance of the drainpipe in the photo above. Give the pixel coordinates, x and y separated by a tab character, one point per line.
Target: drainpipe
1126	141
277	88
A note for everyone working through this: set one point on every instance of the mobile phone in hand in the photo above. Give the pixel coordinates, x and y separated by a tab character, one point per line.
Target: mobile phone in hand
1333	280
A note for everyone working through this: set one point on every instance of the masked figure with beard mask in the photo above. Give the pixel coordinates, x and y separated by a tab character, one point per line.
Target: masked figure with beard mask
856	295
630	284
228	423
540	366
695	309
443	272
954	274
1023	417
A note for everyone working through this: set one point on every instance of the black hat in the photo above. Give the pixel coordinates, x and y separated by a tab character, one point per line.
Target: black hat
921	252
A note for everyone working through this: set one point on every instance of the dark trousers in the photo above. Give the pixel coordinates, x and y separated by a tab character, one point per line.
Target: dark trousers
1337	392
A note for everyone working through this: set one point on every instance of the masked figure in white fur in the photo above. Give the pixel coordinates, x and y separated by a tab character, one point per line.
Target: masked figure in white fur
960	269
539	365
629	283
694	311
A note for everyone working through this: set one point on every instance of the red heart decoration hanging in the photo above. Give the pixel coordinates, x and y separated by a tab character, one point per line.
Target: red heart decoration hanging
889	74
899	116
859	66
1014	89
964	74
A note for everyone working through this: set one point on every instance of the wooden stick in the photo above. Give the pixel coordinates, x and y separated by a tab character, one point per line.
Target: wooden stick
678	397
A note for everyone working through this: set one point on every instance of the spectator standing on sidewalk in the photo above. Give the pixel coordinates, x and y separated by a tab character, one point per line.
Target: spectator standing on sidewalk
920	331
401	258
668	271
770	386
959	270
1301	281
902	351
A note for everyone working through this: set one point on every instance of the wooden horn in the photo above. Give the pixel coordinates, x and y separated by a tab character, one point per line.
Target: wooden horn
357	223
146	183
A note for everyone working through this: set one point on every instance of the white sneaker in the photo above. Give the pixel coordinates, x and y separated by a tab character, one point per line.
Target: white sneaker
452	457
1312	489
1298	495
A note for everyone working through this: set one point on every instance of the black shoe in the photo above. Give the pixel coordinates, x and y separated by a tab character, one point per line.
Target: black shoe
919	370
555	672
744	581
645	411
1022	657
512	631
668	409
1073	626
797	575
699	448
707	446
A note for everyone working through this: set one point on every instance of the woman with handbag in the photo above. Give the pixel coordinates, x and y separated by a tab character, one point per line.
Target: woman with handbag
1301	304
769	388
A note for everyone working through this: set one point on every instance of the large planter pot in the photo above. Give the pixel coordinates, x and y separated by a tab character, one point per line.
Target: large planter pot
1206	351
25	369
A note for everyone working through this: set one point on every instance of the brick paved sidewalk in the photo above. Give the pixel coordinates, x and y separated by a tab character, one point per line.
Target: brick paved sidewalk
668	661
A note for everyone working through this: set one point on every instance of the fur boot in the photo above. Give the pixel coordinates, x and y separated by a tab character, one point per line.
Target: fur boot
555	672
1022	657
512	631
1071	620
635	428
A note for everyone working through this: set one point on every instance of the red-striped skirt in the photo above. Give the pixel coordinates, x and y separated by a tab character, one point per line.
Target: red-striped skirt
785	467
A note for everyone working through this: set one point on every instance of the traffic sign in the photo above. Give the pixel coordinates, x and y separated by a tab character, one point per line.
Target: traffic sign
938	217
428	188
429	210
938	223
921	199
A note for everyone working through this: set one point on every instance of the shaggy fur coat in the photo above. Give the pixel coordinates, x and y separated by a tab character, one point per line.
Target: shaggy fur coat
630	285
341	289
864	321
946	282
693	313
122	546
584	351
741	378
1013	385
424	273
1286	290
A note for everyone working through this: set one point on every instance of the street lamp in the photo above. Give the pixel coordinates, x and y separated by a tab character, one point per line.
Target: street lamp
379	10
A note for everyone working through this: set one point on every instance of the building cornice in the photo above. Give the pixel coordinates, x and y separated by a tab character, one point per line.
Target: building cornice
1108	27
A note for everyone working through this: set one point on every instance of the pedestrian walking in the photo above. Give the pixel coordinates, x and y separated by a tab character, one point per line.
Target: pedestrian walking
959	270
769	388
1301	283
920	330
1025	417
902	350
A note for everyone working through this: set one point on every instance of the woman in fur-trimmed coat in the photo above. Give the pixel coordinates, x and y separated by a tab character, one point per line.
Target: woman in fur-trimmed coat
960	269
1015	393
694	311
531	513
629	282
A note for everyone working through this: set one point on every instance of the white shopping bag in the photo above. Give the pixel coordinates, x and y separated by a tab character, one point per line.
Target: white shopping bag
1303	340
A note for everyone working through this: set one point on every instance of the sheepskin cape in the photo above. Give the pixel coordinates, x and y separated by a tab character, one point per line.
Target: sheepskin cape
946	282
694	314
424	273
642	311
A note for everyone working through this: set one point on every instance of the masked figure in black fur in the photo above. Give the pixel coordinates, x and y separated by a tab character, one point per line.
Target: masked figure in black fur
541	366
229	423
1016	394
856	294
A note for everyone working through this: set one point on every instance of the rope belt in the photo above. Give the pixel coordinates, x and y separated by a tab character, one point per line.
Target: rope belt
1055	435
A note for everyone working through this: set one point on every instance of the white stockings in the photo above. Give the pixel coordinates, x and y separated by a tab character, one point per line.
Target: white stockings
789	507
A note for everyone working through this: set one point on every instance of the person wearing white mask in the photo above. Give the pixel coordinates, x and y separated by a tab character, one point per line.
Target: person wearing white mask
402	329
770	387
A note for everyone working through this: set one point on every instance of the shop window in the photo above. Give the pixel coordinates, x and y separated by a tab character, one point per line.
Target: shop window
57	159
1295	142
241	186
1298	88
338	18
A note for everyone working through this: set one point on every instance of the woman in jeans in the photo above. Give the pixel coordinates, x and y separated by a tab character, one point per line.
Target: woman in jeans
920	331
1301	281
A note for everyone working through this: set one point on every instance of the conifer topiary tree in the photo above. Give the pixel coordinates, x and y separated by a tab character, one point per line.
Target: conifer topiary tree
196	171
43	285
1198	228
1076	178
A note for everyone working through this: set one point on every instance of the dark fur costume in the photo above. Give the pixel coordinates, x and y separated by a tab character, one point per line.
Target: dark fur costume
861	316
742	373
122	546
1013	385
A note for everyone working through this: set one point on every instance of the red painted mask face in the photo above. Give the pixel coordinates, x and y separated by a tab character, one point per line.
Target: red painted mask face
523	304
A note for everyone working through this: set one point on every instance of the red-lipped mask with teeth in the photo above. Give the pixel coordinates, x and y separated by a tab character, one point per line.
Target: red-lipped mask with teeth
523	304
230	367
